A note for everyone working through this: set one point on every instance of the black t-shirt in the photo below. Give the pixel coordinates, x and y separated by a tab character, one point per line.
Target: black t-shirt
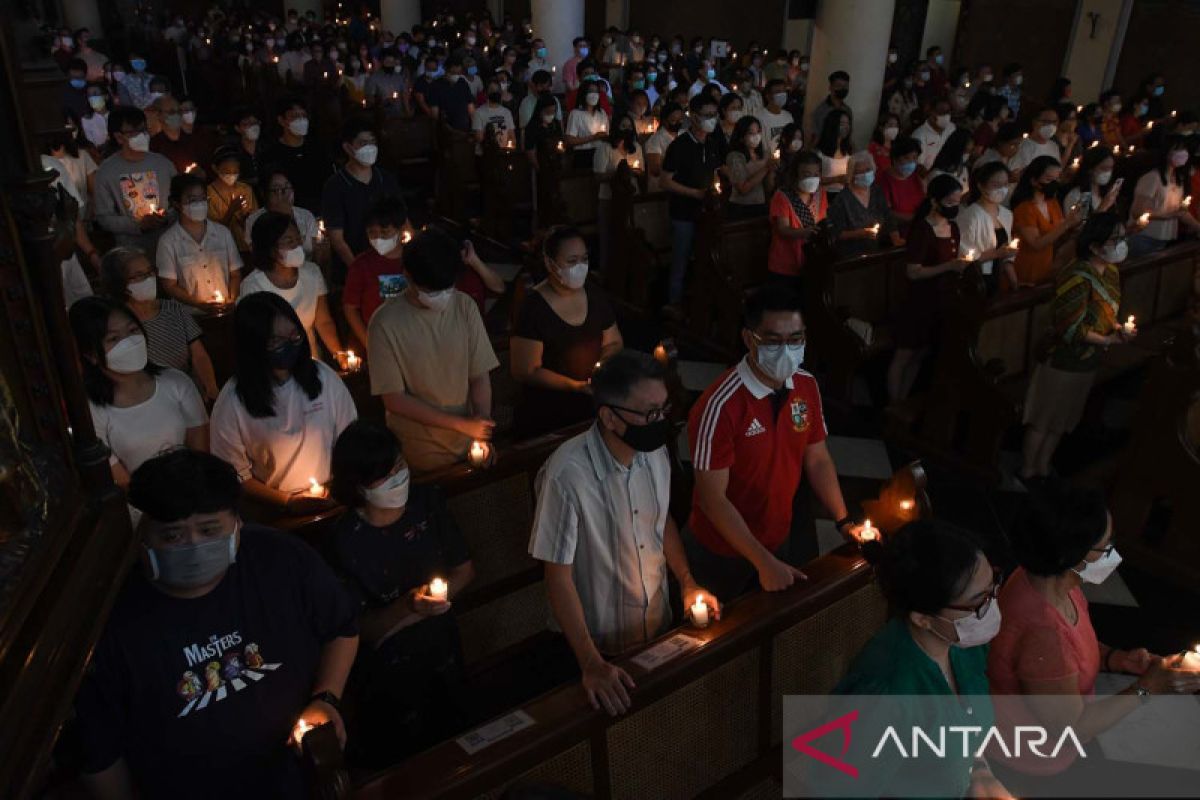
691	163
200	696
452	94
306	166
345	201
536	133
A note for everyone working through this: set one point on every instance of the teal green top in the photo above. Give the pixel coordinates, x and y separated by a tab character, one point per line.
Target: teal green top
893	664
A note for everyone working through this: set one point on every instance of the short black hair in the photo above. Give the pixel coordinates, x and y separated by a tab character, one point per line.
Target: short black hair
387	211
903	145
1057	527
183	482
618	374
540	78
839	75
557	236
699	102
77	65
364	453
183	181
1098	229
433	259
923	566
288	102
123	116
1008	132
356	125
265	233
770	298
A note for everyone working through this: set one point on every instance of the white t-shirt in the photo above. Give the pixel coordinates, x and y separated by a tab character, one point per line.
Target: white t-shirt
657	144
832	167
75	282
580	123
606	160
500	118
931	142
305	221
310	285
1029	150
772	126
1163	199
285	450
138	433
201	268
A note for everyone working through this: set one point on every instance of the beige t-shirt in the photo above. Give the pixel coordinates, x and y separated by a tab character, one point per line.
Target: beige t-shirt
431	355
1163	200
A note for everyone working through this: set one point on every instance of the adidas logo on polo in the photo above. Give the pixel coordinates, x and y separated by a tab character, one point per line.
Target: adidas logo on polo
755	428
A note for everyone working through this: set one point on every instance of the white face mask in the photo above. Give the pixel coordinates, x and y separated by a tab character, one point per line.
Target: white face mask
1115	254
294	258
392	493
1047	130
128	355
779	98
252	133
1099	570
1018	80
997	195
796	145
229	178
145	289
709	125
733	115
385	246
779	361
754	139
1102	178
810	185
196	211
139	143
366	154
574	276
435	301
973	631
942	120
591	98
96	102
189	117
890	133
299	126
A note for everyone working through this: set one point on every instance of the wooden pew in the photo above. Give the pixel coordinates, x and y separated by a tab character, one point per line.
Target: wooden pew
547	187
507	189
730	259
639	243
408	148
457	172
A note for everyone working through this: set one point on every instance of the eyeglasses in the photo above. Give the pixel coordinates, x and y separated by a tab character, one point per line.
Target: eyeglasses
795	340
651	416
278	342
141	276
280	190
981	609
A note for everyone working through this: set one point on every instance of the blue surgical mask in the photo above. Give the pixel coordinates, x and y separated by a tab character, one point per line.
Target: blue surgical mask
472	70
1158	90
138	64
864	178
907	168
710	74
78	83
541	52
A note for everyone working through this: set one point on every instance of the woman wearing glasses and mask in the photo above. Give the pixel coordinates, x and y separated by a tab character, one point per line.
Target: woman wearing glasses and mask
280	197
277	418
941	591
1047	650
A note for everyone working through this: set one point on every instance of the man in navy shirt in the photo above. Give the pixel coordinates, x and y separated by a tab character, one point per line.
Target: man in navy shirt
450	97
224	638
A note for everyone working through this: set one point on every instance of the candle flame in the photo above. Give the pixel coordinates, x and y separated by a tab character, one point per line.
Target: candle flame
406	237
315	488
302	727
906	505
1187	201
1015	243
1144	219
190	167
218	297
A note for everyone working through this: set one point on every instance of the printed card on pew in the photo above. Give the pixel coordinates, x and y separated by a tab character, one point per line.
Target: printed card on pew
494	731
664	651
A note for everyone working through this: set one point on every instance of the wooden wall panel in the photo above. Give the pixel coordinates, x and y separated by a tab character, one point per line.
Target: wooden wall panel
1162	37
761	21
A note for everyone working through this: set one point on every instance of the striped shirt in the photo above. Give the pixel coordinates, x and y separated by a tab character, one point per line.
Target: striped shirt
169	335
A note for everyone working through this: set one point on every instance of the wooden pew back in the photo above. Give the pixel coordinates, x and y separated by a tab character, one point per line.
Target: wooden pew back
730	259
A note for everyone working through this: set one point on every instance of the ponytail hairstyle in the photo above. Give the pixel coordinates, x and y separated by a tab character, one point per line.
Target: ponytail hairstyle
939	189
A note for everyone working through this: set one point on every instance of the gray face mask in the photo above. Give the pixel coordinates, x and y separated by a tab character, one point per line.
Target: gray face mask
192	565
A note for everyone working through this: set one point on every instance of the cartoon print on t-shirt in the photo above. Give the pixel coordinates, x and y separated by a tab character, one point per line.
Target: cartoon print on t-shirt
140	194
189	686
799	416
226	670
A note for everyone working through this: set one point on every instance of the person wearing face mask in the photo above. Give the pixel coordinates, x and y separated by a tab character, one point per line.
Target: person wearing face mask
932	134
706	76
880	146
993	111
933	254
902	99
394	539
277	418
451	98
197	258
859	215
1160	194
215	607
1087	296
493	117
74	101
1094	181
538	85
431	357
985	226
544	133
774	118
941	593
834	147
280	197
281	268
796	207
138	408
606	569
730	110
1154	87
230	199
839	90
247	130
751	169
671	122
136	82
621	147
1039	221
953	158
1089	126
1110	120
1040	142
564	328
1014	76
587	125
95	122
94	59
299	155
754	433
570	67
129	187
902	187
1047	656
172	141
388	86
173	337
539	61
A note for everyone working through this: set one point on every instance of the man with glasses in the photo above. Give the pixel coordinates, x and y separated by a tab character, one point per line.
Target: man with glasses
604	531
280	196
687	176
131	185
753	434
1039	142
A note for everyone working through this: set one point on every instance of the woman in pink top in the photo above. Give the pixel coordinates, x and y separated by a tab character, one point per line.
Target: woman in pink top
796	207
1047	650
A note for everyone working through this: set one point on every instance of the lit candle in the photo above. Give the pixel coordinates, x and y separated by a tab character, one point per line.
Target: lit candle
699	611
1187	201
438	589
635	164
717	185
406	237
1131	149
218	297
1130	326
478	453
1173	113
1190	659
320	230
660	353
1075	163
1014	244
1078	109
875	229
190	167
561	148
352	361
1150	125
1144	219
967	85
776	153
869	532
395	95
302	727
364	102
970	256
1024	135
325	74
906	505
153	207
315	489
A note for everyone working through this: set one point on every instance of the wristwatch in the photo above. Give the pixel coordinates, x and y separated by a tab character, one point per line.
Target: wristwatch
843	522
327	697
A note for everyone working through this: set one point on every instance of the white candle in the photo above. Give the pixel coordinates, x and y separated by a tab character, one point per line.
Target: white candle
478	453
218	297
970	256
1144	219
352	361
1187	201
1130	325
906	505
699	611
1014	244
869	532
438	589
302	727
315	488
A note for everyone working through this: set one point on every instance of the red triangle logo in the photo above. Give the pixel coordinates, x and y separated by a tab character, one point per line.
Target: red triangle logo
801	743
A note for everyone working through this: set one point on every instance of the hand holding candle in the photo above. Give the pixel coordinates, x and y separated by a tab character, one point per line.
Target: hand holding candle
479	454
1014	244
1130	326
874	229
438	590
699	612
1144	219
315	489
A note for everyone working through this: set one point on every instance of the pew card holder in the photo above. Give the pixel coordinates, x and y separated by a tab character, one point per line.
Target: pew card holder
496	730
670	648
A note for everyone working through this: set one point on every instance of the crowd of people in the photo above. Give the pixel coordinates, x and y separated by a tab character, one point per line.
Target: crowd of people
188	207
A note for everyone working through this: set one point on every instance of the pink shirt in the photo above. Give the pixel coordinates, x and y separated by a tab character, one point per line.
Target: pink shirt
1036	644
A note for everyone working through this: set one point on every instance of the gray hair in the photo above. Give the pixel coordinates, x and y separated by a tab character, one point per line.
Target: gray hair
861	157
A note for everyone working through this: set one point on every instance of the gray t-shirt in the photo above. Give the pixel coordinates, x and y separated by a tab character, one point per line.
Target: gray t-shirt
126	190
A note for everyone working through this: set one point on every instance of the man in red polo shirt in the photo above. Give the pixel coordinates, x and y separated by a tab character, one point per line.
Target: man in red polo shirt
753	434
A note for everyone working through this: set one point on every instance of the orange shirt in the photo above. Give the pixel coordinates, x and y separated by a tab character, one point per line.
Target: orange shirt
1035	266
1110	130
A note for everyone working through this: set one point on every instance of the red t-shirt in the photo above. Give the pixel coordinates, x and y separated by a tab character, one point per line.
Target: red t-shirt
1036	644
370	280
903	194
882	153
733	426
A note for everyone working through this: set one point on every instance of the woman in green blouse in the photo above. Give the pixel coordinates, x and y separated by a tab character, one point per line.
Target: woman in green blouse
1087	295
941	590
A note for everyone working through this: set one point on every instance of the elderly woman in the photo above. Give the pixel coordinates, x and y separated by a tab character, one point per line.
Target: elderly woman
1087	295
1047	650
860	215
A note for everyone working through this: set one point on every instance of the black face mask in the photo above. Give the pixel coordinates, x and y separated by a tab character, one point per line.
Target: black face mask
647	438
1050	189
494	97
285	356
674	127
949	212
841	94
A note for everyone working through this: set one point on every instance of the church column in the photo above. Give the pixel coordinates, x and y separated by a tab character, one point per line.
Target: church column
851	35
399	16
84	14
304	6
557	23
